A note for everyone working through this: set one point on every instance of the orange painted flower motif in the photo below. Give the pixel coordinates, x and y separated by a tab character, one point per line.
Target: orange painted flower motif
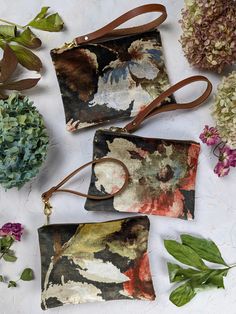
140	283
188	183
166	204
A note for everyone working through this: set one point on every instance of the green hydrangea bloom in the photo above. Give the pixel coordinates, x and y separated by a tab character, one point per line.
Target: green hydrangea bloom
224	109
23	141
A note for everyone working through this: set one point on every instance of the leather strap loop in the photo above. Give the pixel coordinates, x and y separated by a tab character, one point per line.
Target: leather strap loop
110	31
155	106
46	195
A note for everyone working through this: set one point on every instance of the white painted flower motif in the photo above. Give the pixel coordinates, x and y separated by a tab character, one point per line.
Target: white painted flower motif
73	292
97	270
120	86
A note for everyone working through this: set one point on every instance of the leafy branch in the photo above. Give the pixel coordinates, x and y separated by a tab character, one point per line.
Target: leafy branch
192	251
26	275
9	233
8	65
26	40
5	245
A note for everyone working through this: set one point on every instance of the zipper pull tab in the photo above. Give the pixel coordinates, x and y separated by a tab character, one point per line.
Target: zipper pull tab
65	47
117	129
47	210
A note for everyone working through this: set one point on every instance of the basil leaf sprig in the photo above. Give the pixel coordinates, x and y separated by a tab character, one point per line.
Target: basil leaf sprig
193	251
22	40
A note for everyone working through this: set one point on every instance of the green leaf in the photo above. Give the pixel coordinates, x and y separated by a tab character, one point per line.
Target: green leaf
1	278
206	249
51	23
27	274
184	254
8	31
173	272
12	284
214	279
182	295
28	39
8	64
217	278
178	274
27	58
6	242
208	278
9	257
42	14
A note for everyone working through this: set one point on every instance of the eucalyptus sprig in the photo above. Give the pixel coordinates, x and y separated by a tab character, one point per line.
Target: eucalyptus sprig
193	251
24	39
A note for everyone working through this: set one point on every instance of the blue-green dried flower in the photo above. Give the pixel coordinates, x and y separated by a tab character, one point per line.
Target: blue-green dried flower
23	141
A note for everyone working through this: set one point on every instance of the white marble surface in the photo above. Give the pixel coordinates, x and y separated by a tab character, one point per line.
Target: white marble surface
215	205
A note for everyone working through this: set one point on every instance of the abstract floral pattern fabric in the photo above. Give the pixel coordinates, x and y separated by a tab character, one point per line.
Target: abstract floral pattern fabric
110	80
162	175
95	262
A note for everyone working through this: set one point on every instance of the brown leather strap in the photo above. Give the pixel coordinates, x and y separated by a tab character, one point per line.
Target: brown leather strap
155	106
55	189
110	31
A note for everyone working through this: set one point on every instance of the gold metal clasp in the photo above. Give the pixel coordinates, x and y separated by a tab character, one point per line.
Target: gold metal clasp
47	210
117	129
69	45
66	46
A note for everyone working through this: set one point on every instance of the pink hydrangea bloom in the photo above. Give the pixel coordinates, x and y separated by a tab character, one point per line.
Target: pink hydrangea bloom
209	136
12	229
221	170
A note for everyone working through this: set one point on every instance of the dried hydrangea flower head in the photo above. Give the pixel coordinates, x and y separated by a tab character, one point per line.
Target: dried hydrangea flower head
209	33
224	110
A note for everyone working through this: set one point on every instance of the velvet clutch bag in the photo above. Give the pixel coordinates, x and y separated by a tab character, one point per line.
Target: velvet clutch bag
112	74
162	172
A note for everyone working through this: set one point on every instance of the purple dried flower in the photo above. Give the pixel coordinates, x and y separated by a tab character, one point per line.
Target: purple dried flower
209	33
12	229
209	136
221	170
227	157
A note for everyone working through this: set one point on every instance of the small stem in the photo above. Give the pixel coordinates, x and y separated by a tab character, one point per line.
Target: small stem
217	146
10	23
232	266
6	250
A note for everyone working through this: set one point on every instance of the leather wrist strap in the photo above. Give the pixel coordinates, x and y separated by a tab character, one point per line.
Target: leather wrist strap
155	106
55	189
110	31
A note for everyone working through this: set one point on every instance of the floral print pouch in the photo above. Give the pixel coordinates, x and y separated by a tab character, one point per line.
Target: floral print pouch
90	262
162	172
112	74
